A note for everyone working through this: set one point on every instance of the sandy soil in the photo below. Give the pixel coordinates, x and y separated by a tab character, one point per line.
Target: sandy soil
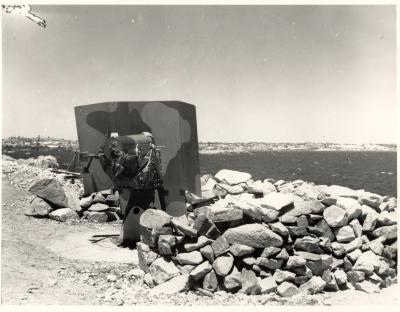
46	262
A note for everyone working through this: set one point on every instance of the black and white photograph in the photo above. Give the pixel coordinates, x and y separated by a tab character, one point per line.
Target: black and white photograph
199	154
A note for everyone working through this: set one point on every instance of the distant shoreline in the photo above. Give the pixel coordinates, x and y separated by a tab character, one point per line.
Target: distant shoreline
235	148
211	147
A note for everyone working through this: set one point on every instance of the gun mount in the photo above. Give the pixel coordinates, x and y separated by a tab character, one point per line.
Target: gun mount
134	161
118	149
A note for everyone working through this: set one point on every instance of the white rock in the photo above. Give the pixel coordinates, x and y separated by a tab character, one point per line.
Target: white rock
98	207
253	235
352	207
313	286
163	271
367	286
367	262
175	285
340	276
345	234
232	177
336	191
276	200
335	216
209	185
268	285
287	289
282	276
370	221
200	271
192	258
357	227
64	214
223	264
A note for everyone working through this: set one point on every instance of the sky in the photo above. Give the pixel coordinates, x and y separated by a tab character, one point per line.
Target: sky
255	73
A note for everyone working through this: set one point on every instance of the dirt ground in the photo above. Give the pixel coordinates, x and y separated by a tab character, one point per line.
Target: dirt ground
47	262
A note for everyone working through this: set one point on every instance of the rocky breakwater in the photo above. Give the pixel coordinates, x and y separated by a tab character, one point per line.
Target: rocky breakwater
259	237
56	197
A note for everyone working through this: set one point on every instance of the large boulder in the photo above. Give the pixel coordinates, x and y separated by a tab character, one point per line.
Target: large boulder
352	207
367	262
322	229
220	246
268	285
313	286
64	214
174	285
146	256
200	243
336	191
367	286
279	228
163	271
232	177
152	218
335	216
239	250
225	214
181	225
250	284
295	262
38	208
387	218
370	221
208	253
281	276
301	207
340	276
200	271
252	208
309	244
223	265
98	207
51	191
233	281
345	234
277	201
357	227
253	235
165	244
95	216
389	231
287	289
210	281
371	199
259	187
231	189
308	191
193	258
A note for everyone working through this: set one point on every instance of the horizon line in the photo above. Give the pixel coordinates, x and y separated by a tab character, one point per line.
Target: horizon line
225	142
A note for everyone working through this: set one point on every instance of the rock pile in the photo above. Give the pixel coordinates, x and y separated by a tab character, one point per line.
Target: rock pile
55	196
258	237
43	162
53	202
241	235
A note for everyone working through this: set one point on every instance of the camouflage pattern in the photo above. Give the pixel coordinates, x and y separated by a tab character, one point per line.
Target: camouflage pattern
173	126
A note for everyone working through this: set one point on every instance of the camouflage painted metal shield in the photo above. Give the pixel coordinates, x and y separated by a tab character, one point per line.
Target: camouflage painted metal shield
173	126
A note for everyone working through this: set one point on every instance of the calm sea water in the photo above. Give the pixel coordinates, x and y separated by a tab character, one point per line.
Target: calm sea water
372	171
